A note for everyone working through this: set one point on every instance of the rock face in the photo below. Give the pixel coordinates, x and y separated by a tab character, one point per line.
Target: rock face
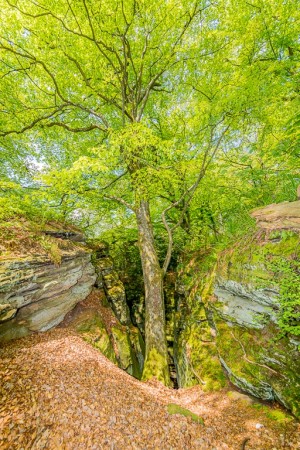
108	279
244	315
258	344
36	294
195	352
96	321
281	216
106	322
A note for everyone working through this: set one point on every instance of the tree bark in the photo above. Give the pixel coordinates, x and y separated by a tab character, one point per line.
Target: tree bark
156	358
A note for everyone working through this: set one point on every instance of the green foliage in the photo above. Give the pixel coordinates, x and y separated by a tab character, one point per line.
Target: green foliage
287	274
156	89
189	105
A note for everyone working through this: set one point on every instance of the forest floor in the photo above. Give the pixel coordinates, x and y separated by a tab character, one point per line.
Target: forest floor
58	392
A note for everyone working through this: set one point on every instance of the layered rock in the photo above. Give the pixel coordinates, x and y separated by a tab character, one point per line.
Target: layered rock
38	291
108	279
257	346
244	314
280	216
36	294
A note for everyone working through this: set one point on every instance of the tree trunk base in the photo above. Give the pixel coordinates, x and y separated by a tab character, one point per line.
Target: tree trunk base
155	367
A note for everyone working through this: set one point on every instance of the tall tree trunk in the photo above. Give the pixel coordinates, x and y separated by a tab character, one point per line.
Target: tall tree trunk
156	360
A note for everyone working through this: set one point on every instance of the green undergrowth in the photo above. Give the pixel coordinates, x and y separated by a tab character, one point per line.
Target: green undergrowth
176	409
277	415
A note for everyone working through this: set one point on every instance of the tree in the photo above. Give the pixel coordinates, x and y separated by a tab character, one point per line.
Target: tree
134	100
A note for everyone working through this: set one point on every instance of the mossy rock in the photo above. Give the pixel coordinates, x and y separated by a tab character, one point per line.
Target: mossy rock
123	345
195	352
176	409
129	350
278	415
117	298
138	351
249	262
261	365
93	330
259	356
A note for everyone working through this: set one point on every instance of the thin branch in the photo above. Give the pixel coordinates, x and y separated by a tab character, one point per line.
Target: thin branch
32	124
119	200
189	192
114	181
75	130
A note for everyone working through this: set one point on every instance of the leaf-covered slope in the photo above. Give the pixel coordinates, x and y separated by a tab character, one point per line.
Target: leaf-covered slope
59	392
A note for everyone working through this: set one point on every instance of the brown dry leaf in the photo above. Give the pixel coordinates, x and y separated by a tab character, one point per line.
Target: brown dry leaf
90	404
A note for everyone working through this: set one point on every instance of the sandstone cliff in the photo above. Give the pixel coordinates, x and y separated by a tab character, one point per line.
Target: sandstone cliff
36	294
242	315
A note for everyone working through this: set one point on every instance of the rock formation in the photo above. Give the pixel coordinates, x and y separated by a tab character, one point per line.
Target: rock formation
242	315
36	294
282	216
108	279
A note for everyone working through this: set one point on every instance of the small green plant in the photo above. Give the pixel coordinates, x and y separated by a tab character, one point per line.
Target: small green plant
287	271
176	409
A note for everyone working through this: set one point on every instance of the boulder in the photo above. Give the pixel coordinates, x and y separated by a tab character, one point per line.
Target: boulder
35	294
285	215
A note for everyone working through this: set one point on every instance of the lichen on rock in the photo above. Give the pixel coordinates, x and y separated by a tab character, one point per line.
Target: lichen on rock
108	279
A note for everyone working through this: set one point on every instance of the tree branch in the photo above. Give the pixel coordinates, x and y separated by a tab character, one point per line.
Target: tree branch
119	200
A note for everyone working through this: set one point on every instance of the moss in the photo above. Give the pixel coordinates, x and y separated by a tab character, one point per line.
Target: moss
111	282
278	415
155	367
248	261
195	350
176	409
254	356
122	341
138	351
261	359
52	249
94	332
